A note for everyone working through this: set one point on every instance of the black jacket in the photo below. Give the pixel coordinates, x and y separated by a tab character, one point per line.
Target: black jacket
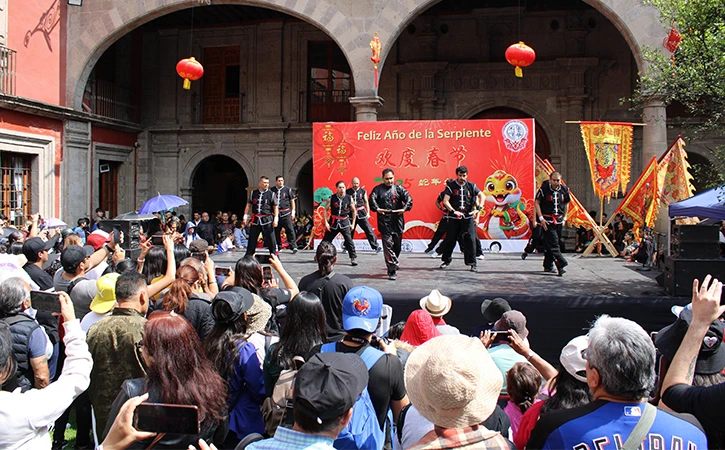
390	198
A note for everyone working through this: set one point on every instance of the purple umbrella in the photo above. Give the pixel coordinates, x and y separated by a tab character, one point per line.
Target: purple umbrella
162	203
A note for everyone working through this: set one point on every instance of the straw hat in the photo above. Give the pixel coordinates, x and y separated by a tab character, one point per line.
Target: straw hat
452	381
436	304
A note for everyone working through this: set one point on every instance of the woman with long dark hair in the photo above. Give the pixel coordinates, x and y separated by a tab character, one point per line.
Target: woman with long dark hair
304	329
249	274
154	264
183	298
178	373
236	360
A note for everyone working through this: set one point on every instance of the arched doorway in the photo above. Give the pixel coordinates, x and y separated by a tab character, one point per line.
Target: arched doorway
542	149
305	189
704	175
219	183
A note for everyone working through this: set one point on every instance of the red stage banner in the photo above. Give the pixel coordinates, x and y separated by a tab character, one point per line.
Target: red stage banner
499	155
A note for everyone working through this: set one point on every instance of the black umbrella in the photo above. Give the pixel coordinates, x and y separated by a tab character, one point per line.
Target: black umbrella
134	215
7	231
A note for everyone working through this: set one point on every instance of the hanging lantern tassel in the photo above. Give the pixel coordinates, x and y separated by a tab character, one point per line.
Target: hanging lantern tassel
190	70
376	47
520	55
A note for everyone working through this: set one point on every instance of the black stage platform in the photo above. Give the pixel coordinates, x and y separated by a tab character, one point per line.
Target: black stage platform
557	308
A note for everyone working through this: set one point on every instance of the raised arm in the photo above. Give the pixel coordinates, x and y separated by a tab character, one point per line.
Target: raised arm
288	281
705	310
170	275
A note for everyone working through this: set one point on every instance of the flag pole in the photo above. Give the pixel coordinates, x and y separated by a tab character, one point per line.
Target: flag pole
579	122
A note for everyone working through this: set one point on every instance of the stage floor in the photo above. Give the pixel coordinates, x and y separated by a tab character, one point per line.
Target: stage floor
499	273
557	308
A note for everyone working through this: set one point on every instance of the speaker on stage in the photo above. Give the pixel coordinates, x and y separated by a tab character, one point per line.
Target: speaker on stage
679	273
695	242
131	232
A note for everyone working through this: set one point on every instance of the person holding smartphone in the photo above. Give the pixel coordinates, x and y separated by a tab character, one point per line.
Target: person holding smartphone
27	416
170	342
262	213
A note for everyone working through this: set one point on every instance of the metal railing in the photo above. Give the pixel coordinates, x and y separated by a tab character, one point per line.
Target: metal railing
7	71
113	102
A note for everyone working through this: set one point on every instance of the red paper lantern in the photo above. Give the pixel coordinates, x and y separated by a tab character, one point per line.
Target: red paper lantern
343	152
672	41
327	138
190	70
520	55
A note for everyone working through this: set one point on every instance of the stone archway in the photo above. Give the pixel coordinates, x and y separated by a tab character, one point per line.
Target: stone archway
702	169
350	24
638	24
543	147
218	183
92	33
305	189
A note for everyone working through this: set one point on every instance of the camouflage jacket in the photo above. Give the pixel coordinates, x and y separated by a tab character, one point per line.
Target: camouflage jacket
114	343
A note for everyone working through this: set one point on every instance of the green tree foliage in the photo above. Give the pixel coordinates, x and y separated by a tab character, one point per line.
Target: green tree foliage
695	75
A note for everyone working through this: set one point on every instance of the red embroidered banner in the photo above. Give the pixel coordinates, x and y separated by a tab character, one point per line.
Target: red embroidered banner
640	204
673	174
609	150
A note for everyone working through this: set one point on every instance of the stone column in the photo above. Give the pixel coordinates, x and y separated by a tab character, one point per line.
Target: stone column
577	171
655	130
186	194
655	144
77	171
366	108
168	44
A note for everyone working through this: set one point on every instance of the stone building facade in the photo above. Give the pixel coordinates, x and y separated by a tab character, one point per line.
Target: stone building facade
440	60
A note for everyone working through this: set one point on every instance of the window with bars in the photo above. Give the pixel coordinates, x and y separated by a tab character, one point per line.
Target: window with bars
330	83
15	198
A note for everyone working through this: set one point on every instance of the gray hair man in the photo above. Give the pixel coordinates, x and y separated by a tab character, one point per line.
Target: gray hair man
31	343
620	373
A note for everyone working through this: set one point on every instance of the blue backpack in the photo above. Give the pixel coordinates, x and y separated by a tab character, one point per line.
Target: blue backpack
363	431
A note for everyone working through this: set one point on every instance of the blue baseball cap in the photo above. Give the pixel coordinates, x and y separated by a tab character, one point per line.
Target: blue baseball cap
361	309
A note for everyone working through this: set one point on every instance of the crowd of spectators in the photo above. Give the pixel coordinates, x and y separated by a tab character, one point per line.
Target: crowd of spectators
280	364
223	232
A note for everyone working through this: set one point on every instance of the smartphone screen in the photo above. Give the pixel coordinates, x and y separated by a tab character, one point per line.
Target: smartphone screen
157	239
267	272
45	301
262	259
161	418
221	271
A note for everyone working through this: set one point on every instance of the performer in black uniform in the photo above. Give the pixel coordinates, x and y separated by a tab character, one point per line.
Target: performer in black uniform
463	201
552	201
362	207
262	212
285	200
442	225
342	210
390	201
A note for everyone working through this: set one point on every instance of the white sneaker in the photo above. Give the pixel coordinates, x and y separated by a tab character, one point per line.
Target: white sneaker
480	257
435	255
